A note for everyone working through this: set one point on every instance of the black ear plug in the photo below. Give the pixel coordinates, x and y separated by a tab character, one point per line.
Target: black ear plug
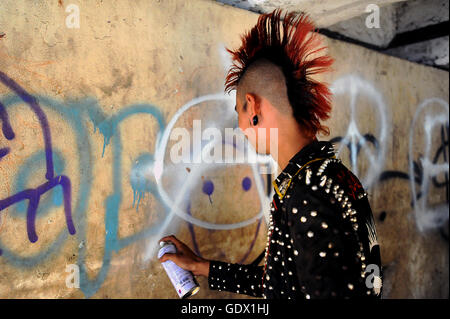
255	120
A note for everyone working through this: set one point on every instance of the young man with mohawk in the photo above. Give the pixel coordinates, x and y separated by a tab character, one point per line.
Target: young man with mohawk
322	241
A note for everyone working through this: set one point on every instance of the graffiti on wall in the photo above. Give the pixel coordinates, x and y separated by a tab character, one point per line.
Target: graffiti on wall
428	165
75	205
33	195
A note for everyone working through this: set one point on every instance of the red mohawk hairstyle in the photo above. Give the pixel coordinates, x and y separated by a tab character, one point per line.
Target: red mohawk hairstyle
288	49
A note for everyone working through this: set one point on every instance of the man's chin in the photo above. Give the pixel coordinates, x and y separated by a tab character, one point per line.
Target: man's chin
259	152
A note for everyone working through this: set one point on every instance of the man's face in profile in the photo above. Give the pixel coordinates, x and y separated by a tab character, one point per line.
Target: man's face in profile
261	136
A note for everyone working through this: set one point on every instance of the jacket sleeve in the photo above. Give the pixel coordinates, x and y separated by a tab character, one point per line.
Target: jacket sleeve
237	278
326	247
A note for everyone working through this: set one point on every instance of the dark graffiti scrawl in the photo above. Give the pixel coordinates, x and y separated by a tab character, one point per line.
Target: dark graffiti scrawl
33	195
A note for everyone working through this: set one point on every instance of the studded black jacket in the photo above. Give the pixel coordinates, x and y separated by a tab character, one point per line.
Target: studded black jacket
321	242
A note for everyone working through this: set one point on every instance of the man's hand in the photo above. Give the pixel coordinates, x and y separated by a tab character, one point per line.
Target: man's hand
186	258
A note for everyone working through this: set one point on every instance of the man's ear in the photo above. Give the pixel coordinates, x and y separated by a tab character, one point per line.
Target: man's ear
253	104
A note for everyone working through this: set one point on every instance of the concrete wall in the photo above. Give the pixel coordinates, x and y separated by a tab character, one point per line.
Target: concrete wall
324	13
107	93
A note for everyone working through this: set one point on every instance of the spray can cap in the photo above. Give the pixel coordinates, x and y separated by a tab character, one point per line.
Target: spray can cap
165	243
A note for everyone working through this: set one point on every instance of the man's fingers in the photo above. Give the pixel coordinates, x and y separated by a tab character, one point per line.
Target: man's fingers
174	240
168	238
167	256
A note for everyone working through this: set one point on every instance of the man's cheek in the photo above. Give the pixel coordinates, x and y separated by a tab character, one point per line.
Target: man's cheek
241	124
252	136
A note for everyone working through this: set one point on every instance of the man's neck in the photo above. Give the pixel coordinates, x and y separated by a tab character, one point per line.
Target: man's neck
289	147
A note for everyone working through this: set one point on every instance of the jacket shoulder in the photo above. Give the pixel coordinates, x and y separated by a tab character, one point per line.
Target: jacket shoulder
329	176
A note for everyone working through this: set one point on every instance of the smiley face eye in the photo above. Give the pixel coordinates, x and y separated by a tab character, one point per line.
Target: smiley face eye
246	183
208	187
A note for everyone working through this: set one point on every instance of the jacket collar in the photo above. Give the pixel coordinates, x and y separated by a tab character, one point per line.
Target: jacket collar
314	151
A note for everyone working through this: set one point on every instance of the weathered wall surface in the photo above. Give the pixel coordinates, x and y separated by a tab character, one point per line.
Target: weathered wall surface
85	112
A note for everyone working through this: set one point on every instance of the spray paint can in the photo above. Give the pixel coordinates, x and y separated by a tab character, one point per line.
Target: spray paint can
183	280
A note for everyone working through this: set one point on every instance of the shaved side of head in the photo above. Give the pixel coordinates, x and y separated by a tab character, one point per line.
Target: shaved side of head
266	80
